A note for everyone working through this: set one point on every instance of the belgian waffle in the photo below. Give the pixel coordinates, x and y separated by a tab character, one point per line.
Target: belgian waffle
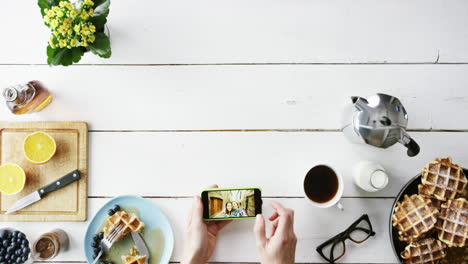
414	217
133	258
424	251
452	223
442	179
130	221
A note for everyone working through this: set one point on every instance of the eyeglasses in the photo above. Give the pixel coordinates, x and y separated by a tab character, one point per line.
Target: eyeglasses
334	248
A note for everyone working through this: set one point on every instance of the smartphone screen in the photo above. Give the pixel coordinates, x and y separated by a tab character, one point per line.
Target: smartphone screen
222	204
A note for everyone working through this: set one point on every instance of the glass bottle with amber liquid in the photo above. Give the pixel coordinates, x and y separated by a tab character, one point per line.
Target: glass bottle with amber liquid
27	98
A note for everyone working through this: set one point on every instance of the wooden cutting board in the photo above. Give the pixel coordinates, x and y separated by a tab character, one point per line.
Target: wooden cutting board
66	204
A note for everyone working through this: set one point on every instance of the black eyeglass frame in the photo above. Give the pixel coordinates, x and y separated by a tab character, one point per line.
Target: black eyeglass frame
343	236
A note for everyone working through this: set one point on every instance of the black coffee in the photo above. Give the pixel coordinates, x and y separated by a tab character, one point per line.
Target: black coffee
321	184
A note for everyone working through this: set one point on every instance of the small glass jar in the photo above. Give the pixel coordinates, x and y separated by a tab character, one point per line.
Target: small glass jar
27	98
50	244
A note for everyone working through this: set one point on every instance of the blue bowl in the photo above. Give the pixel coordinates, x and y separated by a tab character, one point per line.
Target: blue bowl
151	215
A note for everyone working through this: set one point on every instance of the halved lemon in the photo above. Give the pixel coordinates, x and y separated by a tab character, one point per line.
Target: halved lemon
12	178
39	147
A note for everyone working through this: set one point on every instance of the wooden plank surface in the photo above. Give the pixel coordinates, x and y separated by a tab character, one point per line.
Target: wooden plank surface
67	204
313	226
275	161
296	31
241	97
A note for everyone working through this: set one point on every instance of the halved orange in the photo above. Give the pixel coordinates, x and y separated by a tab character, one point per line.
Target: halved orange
12	178
39	147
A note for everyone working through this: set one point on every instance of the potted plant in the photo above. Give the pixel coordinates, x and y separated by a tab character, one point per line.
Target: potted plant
76	28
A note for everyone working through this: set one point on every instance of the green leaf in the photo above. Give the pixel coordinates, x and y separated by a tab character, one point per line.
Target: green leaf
101	10
43	4
64	56
101	45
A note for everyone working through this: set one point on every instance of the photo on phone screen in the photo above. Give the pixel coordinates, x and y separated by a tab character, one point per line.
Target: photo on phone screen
231	203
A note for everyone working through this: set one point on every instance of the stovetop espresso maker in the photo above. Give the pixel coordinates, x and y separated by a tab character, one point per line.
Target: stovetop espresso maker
380	121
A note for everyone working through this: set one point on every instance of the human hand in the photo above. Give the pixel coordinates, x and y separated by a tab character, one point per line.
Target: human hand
280	247
200	236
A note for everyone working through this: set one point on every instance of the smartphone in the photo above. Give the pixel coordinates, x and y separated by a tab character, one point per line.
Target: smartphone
231	203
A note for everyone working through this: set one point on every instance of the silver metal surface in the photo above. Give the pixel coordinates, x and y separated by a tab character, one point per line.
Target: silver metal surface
109	240
379	120
23	202
141	246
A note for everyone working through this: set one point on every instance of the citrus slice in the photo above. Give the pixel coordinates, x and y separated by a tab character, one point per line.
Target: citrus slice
39	147
12	178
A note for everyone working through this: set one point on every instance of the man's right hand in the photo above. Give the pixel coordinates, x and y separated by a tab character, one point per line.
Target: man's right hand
280	247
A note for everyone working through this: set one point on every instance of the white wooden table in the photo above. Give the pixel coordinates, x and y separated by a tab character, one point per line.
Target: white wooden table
249	93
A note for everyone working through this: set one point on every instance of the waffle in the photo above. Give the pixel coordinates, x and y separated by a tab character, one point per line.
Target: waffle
442	179
424	251
414	217
130	221
452	223
133	258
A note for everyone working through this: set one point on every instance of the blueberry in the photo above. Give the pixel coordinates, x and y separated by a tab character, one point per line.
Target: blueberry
96	250
101	235
2	262
2	258
18	260
2	251
110	212
25	243
19	252
26	250
21	235
10	250
94	244
7	256
4	234
24	258
116	208
13	245
6	243
14	233
96	238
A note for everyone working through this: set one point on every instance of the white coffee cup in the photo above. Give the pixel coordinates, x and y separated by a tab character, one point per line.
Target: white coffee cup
338	194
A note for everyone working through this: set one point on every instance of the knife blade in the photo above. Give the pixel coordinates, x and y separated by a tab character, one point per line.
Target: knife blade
42	192
141	246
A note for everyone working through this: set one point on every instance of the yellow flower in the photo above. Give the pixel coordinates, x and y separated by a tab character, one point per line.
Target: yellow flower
62	43
73	13
51	13
91	39
62	3
70	32
56	9
67	22
84	43
76	28
63	30
89	2
85	31
51	41
69	6
73	42
92	28
84	15
54	23
60	14
91	12
56	33
47	19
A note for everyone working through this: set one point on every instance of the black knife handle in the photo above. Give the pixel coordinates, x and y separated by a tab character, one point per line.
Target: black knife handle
60	183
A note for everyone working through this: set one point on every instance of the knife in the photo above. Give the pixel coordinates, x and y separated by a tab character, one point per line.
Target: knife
42	192
141	246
